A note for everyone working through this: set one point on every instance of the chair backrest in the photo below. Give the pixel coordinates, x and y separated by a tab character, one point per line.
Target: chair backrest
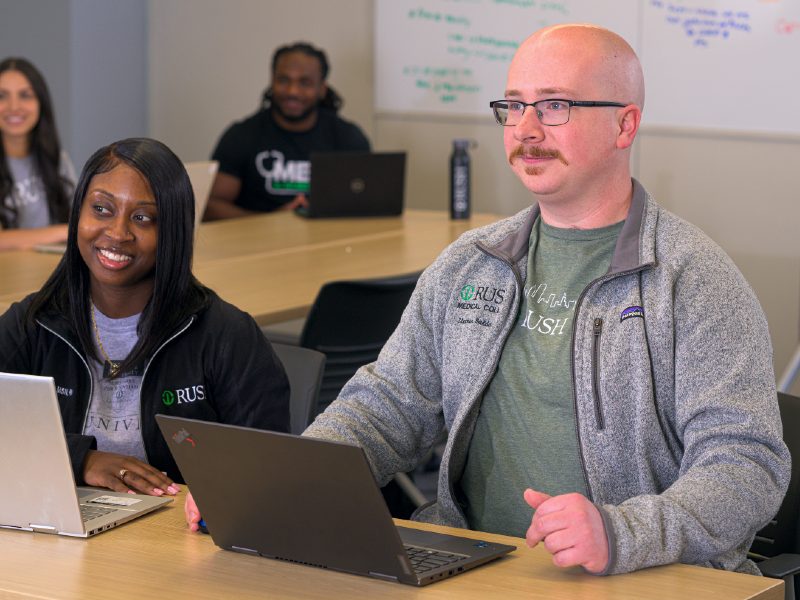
350	322
782	534
201	174
304	368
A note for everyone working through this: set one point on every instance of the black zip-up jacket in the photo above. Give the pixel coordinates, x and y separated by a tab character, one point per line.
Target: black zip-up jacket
217	366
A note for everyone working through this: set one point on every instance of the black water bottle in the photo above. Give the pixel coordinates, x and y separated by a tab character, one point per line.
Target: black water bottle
459	180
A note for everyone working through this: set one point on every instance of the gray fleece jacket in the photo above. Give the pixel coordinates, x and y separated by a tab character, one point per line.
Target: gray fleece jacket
678	423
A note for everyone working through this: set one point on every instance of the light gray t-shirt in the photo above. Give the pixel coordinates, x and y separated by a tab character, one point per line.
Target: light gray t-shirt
28	194
114	412
526	433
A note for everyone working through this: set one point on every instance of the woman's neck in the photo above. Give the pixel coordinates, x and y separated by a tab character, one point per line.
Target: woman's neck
16	146
121	303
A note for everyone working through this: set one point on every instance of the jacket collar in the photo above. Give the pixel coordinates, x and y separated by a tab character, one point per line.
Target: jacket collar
514	247
61	325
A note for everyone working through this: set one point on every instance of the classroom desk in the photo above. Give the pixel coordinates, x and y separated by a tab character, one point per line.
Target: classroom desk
157	557
273	265
23	272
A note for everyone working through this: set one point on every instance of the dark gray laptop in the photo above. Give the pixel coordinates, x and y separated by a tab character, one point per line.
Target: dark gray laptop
39	492
356	184
307	501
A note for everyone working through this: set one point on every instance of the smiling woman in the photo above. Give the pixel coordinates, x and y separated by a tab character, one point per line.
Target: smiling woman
124	328
36	176
117	239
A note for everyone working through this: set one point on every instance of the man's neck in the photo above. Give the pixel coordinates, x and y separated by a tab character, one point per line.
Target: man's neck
591	211
295	126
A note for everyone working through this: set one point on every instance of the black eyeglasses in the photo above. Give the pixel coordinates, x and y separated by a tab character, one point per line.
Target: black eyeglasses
551	112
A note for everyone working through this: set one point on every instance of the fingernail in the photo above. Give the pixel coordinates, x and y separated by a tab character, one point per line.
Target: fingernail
173	489
158	492
131	492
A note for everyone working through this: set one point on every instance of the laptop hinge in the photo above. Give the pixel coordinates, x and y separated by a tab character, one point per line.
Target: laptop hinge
245	550
383	576
43	528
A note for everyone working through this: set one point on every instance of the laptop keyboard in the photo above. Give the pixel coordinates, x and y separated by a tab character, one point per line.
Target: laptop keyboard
92	512
425	559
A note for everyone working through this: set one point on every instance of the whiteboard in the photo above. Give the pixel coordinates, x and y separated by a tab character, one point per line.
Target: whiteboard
451	56
730	65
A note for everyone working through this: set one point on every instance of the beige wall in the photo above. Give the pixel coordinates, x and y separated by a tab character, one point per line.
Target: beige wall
209	65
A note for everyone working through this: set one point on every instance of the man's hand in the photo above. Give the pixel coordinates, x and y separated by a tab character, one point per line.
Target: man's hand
192	513
125	474
298	201
571	528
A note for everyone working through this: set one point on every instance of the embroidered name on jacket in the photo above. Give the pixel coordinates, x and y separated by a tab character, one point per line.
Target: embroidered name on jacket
631	312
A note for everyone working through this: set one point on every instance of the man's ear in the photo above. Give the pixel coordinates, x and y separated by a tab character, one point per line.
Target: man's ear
628	120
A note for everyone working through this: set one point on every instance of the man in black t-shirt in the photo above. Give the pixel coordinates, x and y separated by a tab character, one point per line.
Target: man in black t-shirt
264	159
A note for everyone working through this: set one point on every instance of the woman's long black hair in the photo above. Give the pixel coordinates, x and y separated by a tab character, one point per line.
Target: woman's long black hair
44	148
176	292
332	99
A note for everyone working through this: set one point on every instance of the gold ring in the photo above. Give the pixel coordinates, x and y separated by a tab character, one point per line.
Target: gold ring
122	473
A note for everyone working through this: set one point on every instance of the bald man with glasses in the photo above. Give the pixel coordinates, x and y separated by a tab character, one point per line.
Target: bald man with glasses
601	368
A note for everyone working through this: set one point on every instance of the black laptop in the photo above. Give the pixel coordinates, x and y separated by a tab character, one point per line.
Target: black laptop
308	501
356	184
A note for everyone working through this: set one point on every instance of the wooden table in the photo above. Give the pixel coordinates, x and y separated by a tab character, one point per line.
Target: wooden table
157	557
273	265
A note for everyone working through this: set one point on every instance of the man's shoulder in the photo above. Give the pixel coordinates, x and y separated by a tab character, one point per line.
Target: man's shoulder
248	125
473	244
685	251
494	234
221	317
330	118
676	237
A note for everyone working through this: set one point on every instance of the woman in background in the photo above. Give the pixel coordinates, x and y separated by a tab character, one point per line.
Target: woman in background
36	176
127	332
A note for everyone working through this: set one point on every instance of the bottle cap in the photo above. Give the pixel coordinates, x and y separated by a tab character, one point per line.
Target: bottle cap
461	144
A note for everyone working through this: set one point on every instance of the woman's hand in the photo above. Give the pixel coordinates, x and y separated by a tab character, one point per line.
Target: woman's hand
125	474
192	513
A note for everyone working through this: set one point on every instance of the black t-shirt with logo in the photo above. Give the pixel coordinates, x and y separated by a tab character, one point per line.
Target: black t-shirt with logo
272	163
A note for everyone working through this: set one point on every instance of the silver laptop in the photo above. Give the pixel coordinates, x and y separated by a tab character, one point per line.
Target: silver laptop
308	501
356	184
39	492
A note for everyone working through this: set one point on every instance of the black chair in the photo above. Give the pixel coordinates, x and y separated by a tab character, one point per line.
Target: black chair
777	546
304	368
350	322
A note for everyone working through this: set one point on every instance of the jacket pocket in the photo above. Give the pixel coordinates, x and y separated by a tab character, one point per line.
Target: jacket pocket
597	331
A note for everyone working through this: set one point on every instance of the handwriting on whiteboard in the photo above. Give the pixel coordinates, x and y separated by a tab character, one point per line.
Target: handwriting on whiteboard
705	26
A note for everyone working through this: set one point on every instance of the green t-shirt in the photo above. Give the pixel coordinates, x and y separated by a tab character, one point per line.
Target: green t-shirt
526	432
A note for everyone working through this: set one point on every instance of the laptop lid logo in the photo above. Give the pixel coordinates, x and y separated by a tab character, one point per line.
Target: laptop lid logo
181	436
357	185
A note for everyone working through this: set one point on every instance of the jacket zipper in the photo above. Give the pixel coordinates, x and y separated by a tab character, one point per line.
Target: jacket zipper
85	364
599	280
512	316
141	383
598	407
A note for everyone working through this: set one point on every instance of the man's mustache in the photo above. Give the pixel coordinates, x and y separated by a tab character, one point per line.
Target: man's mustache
535	152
